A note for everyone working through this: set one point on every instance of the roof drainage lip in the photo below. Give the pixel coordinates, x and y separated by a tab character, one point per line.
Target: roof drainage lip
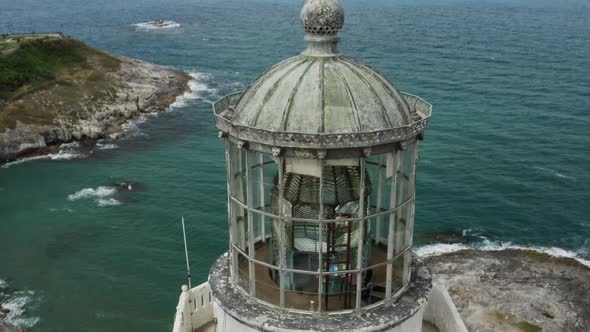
224	112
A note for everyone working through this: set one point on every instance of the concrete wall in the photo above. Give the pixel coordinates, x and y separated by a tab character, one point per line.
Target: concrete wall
226	322
441	311
195	308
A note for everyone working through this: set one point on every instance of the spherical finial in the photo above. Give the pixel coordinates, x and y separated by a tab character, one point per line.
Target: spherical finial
322	17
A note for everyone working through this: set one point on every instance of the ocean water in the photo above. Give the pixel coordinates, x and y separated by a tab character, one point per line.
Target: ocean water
90	237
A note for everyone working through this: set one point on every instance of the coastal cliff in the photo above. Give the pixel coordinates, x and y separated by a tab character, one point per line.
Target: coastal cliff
55	89
515	290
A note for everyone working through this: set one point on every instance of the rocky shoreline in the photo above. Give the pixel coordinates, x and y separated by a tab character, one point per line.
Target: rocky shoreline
4	312
515	290
141	87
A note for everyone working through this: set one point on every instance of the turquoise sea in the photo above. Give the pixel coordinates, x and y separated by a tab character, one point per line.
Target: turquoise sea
506	160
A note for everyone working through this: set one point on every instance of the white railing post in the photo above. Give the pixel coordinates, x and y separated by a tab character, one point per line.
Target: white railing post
182	319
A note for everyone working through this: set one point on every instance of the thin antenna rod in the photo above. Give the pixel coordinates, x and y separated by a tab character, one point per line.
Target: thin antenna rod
188	268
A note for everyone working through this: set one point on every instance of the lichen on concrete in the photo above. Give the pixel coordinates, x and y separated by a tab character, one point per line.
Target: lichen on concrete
515	290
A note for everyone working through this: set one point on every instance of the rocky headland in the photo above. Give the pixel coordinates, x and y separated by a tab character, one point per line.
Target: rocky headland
515	290
55	89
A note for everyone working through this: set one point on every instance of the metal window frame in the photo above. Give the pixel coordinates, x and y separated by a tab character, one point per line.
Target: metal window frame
253	213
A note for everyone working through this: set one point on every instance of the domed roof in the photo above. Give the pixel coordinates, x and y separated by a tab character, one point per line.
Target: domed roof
322	95
313	99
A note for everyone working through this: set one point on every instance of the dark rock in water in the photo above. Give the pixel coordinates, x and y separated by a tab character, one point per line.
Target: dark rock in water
130	186
448	236
515	290
5	310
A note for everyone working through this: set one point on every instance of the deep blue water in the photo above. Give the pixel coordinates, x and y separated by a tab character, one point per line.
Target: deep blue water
506	157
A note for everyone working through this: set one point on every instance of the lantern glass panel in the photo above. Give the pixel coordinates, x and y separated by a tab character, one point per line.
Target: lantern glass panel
398	281
374	285
266	288
402	238
301	291
405	174
243	273
339	291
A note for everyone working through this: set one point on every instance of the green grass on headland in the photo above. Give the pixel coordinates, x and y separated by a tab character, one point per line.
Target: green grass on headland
65	68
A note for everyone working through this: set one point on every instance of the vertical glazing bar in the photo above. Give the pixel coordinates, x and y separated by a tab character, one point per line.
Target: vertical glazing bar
359	261
233	261
390	234
261	193
250	216
410	221
281	245
379	199
240	196
320	236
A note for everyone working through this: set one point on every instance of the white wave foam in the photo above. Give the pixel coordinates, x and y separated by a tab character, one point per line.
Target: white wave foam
107	202
198	90
553	172
486	245
23	160
67	151
99	192
18	302
71	145
155	25
62	155
108	146
101	195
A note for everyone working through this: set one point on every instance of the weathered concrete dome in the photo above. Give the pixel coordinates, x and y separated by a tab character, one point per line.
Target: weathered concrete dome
322	99
309	94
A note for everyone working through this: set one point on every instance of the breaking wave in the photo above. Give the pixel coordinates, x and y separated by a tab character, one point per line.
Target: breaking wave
108	202
67	151
106	146
156	25
92	193
486	245
199	89
19	303
100	195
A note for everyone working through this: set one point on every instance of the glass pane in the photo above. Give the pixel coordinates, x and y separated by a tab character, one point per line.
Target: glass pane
244	273
374	282
263	248
405	185
301	291
397	280
402	239
339	291
267	289
377	251
239	230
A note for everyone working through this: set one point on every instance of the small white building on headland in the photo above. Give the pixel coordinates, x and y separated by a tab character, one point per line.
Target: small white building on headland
321	155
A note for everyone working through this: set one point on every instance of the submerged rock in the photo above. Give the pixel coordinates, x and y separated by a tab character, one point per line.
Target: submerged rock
516	290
